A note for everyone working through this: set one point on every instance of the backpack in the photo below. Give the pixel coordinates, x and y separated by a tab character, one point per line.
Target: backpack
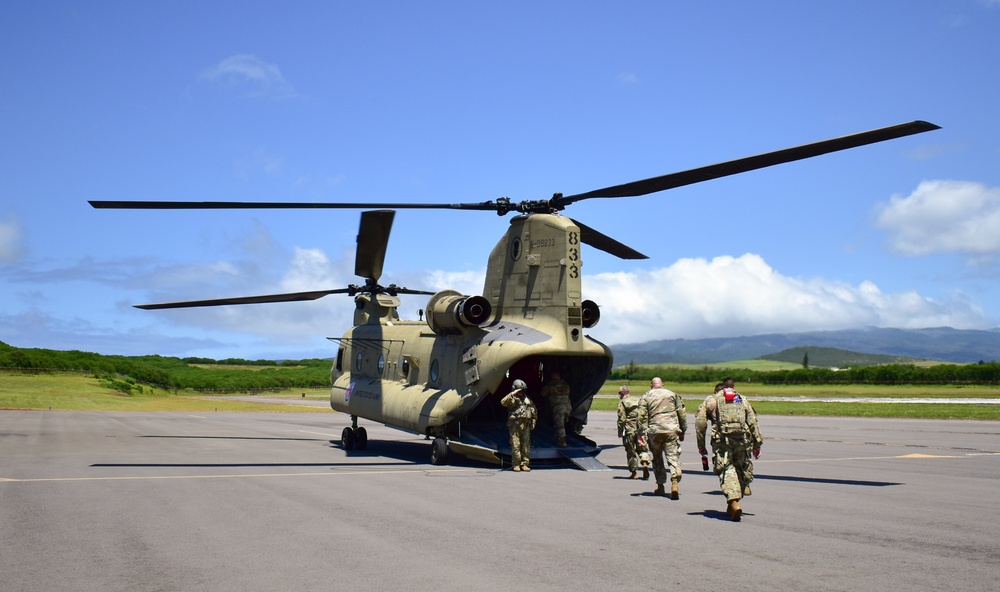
730	417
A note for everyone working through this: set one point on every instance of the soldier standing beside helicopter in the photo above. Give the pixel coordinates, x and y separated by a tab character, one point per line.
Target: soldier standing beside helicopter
662	423
556	390
520	422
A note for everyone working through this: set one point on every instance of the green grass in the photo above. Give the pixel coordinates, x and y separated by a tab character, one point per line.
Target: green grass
66	391
76	392
911	410
823	390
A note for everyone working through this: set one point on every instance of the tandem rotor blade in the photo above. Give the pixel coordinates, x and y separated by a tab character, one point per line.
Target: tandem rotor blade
291	297
607	244
373	236
749	163
282	205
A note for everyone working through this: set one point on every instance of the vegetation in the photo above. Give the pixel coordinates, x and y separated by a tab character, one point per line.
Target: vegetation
133	374
80	392
831	357
47	379
986	373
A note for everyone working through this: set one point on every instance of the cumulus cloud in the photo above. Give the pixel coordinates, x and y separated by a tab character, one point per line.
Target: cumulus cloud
944	216
11	246
732	296
252	75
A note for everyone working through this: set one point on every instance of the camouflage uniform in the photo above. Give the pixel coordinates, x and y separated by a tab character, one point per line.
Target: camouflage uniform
662	422
702	427
734	439
628	417
520	422
557	391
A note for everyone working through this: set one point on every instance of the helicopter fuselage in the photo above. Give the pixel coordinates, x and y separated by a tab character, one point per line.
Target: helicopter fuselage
445	377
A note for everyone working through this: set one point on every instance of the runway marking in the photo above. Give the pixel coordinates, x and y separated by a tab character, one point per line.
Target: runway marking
238	476
908	456
319	433
197	416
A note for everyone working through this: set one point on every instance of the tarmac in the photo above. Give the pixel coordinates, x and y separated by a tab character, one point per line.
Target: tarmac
268	501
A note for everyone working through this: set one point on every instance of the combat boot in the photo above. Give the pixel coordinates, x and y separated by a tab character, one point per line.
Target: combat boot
645	472
674	494
746	491
734	510
516	468
660	490
525	468
562	442
632	475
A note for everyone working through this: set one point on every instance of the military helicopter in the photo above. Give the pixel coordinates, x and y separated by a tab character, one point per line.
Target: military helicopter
443	377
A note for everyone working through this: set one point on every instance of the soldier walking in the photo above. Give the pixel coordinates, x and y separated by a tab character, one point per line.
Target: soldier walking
662	422
556	390
735	439
628	431
520	422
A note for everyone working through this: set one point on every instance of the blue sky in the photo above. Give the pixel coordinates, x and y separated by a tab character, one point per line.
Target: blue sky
466	102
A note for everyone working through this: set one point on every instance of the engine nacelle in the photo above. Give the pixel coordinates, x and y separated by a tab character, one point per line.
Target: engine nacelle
591	313
449	311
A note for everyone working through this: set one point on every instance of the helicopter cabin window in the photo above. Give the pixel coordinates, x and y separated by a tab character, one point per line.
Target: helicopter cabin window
358	361
405	367
435	371
381	364
340	360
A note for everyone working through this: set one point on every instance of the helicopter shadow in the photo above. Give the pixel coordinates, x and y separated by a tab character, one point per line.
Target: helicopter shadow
402	453
239	438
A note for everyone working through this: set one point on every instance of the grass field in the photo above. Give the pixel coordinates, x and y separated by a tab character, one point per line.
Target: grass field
64	391
84	393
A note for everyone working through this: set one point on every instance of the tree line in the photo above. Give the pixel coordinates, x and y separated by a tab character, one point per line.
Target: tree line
985	373
172	373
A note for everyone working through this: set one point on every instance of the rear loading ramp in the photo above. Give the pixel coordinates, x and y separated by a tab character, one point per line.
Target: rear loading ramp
490	442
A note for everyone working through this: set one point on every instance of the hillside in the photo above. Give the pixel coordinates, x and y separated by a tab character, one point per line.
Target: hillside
831	357
942	344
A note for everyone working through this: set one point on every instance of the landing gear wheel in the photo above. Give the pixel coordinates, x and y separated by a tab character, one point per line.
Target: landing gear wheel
439	450
347	439
360	439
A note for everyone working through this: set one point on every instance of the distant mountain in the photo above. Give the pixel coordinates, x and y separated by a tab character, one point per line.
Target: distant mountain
942	343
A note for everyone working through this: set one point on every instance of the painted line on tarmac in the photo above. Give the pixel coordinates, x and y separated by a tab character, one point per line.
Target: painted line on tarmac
899	456
237	476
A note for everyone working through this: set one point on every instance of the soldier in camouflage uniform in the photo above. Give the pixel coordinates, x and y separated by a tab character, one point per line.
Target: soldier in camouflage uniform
735	438
556	390
701	425
662	422
628	431
520	422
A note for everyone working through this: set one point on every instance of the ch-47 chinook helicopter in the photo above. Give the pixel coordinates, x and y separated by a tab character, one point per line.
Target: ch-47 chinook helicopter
443	377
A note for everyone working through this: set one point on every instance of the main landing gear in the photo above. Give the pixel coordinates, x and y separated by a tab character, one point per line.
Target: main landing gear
439	451
354	437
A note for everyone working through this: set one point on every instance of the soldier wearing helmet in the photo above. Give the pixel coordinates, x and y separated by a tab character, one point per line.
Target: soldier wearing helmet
520	422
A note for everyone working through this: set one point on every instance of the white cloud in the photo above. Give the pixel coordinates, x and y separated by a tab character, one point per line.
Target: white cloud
251	74
11	247
943	216
727	297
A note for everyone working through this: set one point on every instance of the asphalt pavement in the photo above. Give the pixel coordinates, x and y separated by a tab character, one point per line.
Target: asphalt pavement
268	501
